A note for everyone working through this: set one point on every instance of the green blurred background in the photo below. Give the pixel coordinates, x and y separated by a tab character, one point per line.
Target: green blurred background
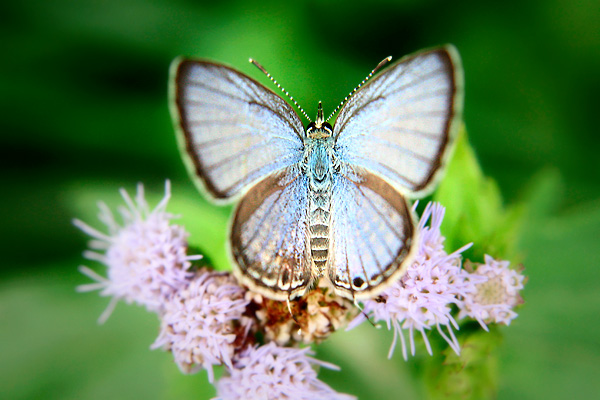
84	112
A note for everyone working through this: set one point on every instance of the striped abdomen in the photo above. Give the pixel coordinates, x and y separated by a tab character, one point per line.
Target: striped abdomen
319	206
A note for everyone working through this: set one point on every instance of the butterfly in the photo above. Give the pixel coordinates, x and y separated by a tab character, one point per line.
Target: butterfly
329	201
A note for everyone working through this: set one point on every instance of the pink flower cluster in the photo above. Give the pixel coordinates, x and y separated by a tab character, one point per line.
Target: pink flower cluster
145	255
434	283
208	319
204	316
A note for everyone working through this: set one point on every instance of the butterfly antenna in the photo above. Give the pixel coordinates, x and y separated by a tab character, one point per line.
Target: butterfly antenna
377	68
264	71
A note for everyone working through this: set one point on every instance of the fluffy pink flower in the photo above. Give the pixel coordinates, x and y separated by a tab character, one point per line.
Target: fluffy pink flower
145	255
270	372
422	298
496	294
202	323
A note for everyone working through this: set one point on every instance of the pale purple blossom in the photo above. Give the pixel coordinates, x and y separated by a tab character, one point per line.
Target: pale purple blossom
202	323
145	255
422	298
271	372
496	295
209	319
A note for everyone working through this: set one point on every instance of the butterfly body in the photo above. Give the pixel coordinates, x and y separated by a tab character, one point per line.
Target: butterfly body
319	159
325	202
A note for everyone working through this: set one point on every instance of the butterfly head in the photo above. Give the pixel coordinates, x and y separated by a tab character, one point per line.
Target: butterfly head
319	129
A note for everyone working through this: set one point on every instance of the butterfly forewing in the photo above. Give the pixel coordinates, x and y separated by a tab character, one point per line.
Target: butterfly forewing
400	123
373	234
233	130
269	236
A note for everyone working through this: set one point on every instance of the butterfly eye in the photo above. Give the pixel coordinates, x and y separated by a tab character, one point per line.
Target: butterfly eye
319	131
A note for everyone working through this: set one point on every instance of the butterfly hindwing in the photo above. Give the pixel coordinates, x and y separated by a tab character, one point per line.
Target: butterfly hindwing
402	122
269	236
373	234
233	130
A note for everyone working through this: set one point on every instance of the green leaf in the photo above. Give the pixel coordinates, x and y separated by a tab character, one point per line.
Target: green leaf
470	375
474	208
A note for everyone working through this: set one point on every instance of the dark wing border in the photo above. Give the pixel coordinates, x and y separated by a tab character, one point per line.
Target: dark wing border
191	160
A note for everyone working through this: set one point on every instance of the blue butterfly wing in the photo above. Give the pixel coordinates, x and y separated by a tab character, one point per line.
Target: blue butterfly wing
232	130
269	236
373	234
401	124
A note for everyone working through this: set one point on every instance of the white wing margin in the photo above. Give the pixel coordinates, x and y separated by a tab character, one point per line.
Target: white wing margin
233	130
402	122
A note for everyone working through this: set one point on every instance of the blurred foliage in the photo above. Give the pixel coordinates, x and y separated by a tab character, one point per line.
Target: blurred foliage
84	112
475	210
471	375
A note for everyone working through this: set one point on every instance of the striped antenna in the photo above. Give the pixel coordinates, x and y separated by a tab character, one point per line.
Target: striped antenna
377	68
264	71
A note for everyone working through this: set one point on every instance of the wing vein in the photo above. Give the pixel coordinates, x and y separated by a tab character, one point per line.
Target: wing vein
283	118
400	148
267	214
223	139
383	217
194	102
409	131
372	225
392	171
237	155
419	79
427	95
197	84
246	178
365	240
